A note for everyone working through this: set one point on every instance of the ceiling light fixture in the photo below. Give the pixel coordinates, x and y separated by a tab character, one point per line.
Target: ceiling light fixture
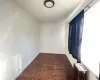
49	3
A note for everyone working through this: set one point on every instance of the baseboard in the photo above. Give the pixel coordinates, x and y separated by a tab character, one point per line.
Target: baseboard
51	53
71	59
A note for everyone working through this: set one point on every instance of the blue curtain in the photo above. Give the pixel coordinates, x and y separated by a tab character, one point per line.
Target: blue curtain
75	36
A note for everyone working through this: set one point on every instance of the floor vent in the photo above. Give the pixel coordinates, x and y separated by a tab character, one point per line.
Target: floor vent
80	72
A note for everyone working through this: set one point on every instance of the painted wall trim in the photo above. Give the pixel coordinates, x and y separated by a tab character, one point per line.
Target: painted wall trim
51	53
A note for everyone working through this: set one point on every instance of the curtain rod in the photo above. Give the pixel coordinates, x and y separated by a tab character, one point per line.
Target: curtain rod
88	7
89	4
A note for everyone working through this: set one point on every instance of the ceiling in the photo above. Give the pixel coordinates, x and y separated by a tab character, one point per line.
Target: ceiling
63	9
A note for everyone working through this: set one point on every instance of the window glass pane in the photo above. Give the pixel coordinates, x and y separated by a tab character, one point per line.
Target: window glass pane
90	49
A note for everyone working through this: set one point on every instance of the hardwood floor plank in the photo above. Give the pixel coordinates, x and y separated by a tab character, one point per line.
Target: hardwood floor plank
48	67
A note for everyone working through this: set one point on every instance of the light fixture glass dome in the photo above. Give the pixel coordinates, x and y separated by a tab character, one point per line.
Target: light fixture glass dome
49	3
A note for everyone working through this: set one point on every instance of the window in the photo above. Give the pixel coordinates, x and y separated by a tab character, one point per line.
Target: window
90	49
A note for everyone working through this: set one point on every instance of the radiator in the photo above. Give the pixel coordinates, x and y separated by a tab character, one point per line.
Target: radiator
80	72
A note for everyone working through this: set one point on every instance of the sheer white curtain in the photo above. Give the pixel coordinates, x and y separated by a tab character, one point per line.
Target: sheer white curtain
90	49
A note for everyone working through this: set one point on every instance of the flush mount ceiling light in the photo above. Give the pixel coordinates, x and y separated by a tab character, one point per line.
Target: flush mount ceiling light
49	3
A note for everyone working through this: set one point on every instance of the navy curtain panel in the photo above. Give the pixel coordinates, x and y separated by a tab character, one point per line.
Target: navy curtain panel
75	36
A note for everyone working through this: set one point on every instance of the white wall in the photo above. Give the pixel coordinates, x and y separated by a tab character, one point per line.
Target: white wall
92	76
53	38
19	40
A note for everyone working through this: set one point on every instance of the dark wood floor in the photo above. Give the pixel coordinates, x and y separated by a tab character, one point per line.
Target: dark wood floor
48	67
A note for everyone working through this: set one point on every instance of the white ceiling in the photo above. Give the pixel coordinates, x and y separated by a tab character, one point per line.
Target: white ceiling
61	10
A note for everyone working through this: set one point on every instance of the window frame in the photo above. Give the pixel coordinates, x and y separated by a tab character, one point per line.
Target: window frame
86	14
